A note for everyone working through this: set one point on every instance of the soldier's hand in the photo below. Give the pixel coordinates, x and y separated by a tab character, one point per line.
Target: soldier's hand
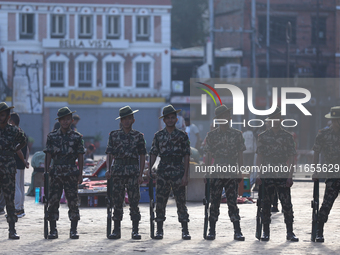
258	181
289	182
80	179
184	181
27	164
107	175
140	179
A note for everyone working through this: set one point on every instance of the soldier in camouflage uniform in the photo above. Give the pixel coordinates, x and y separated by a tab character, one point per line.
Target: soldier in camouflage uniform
226	146
276	147
11	140
64	146
327	142
126	146
173	146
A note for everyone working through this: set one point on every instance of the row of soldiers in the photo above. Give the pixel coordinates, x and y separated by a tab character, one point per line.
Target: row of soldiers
126	149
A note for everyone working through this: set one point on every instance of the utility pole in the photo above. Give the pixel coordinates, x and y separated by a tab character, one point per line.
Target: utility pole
212	36
268	38
316	74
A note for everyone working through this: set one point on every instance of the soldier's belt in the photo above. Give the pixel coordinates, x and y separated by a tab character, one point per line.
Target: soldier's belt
169	159
225	161
126	161
6	153
63	162
282	161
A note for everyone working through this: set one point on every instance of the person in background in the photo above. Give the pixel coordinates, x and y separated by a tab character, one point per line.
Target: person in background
21	163
75	121
89	152
193	134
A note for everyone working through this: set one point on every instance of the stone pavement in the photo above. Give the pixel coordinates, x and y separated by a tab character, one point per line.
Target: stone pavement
92	230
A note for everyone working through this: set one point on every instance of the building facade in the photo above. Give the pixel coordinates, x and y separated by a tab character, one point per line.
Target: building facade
92	57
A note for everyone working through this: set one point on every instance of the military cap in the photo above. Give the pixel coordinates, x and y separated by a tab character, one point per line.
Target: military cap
334	114
4	107
220	110
168	110
63	112
275	113
125	111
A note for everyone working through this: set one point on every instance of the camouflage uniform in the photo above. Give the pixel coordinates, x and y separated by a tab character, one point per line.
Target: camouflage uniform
126	149
10	137
64	150
224	147
171	148
328	142
276	149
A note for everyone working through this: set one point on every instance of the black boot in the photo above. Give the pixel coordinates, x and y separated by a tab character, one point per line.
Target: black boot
135	234
116	231
12	233
73	230
212	230
159	233
265	234
53	230
237	231
319	232
185	231
290	235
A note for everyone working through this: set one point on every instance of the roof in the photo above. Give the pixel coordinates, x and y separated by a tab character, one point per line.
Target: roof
110	2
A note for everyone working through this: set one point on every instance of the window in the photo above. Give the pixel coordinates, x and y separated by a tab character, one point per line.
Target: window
143	75
26	26
322	30
113	27
85	27
277	29
112	74
85	74
57	74
58	26
143	28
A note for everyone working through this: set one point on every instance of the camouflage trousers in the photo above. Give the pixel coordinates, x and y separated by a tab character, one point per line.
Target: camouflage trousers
7	186
70	185
331	193
216	187
118	195
163	188
271	186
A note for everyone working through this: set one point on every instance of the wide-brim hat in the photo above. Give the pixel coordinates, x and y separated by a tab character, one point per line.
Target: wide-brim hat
334	114
168	110
221	109
125	111
4	107
275	113
62	112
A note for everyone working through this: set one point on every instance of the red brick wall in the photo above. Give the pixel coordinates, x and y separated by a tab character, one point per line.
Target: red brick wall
128	71
42	24
128	28
157	71
10	70
72	27
12	27
99	27
157	29
71	69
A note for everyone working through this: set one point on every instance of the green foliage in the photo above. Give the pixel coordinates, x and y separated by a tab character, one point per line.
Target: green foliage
188	23
98	137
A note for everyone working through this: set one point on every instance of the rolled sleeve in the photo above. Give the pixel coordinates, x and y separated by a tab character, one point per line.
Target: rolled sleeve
186	145
109	147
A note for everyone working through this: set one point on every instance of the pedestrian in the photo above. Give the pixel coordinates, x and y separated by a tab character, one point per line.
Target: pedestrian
75	121
12	140
276	147
193	134
173	147
127	147
64	146
327	142
225	145
20	175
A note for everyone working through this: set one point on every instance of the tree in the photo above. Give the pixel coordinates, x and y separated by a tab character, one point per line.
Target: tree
188	23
